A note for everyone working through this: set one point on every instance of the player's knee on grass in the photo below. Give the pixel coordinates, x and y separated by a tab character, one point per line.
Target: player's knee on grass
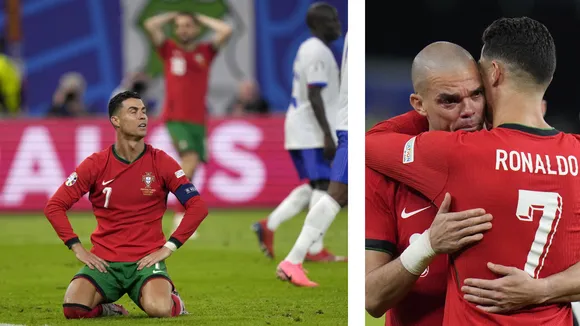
156	298
82	292
339	192
158	307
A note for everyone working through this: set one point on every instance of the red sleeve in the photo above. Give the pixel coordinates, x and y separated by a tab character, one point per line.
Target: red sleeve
209	51
410	123
75	186
380	218
421	162
164	50
176	182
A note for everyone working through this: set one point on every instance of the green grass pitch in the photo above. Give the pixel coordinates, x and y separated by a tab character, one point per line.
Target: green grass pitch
371	321
222	276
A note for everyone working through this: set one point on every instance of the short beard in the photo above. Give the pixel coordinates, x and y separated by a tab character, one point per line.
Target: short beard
186	42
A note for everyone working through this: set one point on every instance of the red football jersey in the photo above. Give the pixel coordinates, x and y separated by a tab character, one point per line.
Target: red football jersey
525	177
395	216
410	123
129	200
386	201
186	81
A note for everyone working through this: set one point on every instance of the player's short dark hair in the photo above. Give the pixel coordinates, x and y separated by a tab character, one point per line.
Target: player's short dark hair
117	101
315	11
523	43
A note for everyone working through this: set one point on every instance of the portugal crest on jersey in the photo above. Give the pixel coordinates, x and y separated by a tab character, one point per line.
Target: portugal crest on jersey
148	178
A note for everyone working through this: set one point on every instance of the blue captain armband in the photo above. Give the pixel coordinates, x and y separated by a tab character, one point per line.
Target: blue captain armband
185	192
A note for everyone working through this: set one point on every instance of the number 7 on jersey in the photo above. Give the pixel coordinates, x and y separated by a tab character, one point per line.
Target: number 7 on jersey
107	191
549	204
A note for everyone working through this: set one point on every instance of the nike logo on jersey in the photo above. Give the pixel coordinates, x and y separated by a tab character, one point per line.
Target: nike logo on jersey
157	271
404	214
106	183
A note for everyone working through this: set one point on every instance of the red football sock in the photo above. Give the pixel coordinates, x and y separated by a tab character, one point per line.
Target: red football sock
79	311
176	310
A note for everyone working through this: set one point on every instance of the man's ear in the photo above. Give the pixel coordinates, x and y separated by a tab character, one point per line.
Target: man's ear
497	73
417	103
115	121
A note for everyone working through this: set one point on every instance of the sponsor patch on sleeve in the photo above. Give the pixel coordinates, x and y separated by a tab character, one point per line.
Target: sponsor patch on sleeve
72	179
179	174
409	152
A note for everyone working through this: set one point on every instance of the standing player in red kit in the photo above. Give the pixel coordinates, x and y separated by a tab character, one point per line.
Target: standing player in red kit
128	184
187	65
523	172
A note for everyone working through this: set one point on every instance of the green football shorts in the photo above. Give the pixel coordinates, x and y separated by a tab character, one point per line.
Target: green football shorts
188	137
122	278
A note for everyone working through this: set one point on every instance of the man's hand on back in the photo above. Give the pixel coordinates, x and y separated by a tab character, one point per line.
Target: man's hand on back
450	232
513	291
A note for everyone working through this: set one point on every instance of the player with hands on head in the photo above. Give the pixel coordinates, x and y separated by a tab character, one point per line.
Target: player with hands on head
187	65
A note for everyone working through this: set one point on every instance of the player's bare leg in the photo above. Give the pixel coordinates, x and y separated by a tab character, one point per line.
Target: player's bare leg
189	163
158	299
82	300
317	222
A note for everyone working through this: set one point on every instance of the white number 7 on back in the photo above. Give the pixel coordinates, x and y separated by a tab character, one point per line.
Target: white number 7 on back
549	205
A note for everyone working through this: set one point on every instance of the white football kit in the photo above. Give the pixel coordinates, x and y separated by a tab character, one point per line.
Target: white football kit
342	115
314	65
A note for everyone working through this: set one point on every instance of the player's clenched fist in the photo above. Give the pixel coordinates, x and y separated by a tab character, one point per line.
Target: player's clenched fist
88	258
450	232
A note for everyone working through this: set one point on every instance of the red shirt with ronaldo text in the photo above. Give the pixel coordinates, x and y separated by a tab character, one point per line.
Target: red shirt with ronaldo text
526	178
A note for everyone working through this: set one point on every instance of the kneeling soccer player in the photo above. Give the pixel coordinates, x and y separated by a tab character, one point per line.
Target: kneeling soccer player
128	184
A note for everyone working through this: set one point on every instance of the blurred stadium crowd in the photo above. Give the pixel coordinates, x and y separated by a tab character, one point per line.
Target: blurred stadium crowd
54	67
68	99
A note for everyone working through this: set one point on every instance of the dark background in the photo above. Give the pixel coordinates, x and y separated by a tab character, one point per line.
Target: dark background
397	30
